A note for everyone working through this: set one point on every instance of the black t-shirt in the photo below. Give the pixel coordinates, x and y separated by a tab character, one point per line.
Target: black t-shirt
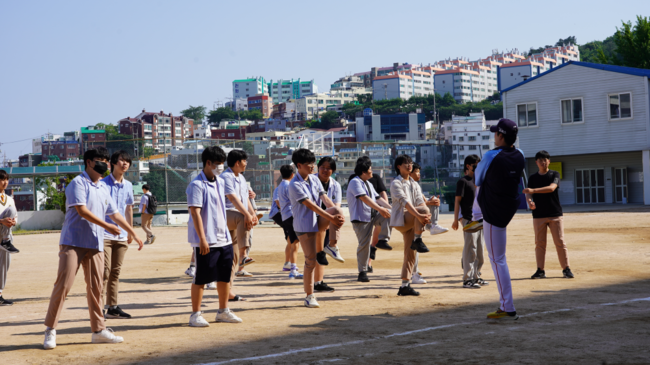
546	205
466	189
376	181
326	187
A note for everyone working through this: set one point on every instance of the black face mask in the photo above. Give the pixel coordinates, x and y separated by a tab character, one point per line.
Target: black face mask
100	167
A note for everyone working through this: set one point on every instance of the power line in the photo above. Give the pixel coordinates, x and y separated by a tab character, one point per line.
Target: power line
22	140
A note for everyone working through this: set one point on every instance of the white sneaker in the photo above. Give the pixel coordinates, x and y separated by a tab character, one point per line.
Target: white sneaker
211	286
243	273
227	316
50	339
436	229
106	336
287	266
191	271
153	238
334	252
197	320
427	226
417	279
310	301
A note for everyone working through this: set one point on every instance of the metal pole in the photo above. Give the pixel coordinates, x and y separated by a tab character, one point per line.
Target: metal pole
35	194
166	181
270	172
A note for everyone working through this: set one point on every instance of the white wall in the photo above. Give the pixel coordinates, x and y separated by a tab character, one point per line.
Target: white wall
41	220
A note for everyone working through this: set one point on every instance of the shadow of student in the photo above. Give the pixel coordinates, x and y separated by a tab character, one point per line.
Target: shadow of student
165	280
119	326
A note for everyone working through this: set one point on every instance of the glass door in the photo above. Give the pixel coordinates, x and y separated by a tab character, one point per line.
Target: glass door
590	186
620	184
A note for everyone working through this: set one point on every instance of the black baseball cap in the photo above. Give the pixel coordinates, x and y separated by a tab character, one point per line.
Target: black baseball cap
505	126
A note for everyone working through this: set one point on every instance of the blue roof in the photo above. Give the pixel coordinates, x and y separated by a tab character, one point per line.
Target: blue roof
620	69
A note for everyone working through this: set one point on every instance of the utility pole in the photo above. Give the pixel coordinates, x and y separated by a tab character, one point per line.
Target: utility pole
166	180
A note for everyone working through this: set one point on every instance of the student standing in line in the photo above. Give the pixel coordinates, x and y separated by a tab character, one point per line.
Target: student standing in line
409	215
326	167
88	201
498	176
146	218
283	203
544	201
434	207
367	210
472	258
208	233
378	183
306	194
115	246
240	213
8	220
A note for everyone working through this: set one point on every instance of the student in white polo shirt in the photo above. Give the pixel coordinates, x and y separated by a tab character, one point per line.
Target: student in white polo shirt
115	246
306	193
367	210
287	172
207	232
239	212
326	167
88	201
8	220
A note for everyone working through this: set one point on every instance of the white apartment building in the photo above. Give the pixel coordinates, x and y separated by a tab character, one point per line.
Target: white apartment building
520	70
49	137
243	88
402	84
310	105
284	90
468	135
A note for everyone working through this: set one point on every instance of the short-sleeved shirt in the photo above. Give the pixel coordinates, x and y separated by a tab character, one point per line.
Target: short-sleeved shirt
274	206
333	190
304	219
359	211
285	202
77	231
376	181
235	185
546	205
466	190
144	200
122	194
210	197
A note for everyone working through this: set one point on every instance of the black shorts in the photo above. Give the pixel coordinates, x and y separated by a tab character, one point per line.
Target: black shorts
215	266
277	218
288	228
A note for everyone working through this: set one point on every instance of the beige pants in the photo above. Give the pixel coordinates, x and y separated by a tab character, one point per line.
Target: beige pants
408	233
556	225
237	228
308	242
472	253
114	252
146	224
70	258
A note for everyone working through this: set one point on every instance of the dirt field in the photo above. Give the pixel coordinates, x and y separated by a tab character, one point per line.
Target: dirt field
601	316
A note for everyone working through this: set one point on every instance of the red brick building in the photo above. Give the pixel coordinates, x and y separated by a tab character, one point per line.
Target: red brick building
263	103
159	130
91	138
234	133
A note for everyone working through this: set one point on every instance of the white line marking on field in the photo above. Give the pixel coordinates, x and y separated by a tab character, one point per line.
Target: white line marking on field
297	351
421	344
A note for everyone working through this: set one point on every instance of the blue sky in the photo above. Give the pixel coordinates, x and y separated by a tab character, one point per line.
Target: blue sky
68	64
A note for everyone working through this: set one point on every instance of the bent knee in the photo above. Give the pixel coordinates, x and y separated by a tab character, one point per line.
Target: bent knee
422	210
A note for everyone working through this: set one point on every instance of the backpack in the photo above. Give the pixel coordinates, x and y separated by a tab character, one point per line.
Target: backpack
152	205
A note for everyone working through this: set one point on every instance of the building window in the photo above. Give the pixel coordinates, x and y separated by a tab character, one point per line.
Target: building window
485	137
231	134
453	138
472	148
572	111
460	139
620	106
486	147
527	115
471	138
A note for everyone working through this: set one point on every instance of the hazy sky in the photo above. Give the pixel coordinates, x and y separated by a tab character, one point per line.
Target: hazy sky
68	64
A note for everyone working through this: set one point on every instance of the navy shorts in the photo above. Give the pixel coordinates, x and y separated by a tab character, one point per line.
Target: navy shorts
277	218
289	232
216	265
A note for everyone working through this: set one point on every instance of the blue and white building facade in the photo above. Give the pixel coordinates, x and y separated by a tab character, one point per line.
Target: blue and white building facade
594	120
391	127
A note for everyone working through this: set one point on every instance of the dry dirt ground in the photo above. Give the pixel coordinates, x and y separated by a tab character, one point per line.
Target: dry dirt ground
601	316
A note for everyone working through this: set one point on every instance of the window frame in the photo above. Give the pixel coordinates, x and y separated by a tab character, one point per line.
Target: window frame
582	107
609	115
536	114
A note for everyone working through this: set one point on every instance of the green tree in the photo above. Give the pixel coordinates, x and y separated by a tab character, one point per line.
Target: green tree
219	114
632	45
248	147
195	112
254	114
429	172
328	119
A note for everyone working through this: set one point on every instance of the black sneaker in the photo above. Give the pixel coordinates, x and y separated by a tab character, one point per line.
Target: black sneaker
567	273
7	246
407	290
369	269
321	258
4	301
117	313
383	245
539	274
373	250
419	246
482	282
323	287
363	277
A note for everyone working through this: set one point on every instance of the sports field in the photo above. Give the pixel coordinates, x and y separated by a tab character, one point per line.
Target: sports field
601	316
